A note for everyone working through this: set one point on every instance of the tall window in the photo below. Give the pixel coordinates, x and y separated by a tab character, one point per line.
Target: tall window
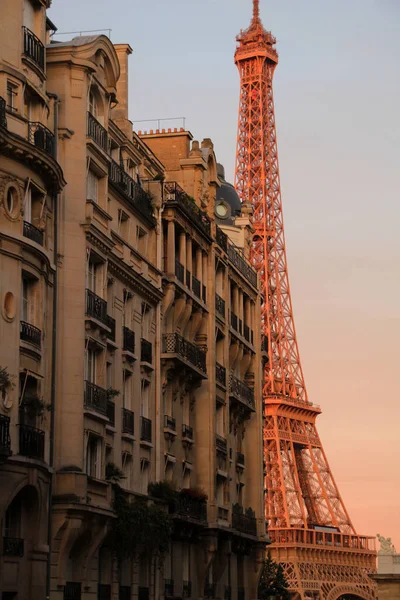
144	399
146	320
92	104
12	93
90	374
93	456
127	390
25	299
141	240
12	519
144	475
92	276
92	187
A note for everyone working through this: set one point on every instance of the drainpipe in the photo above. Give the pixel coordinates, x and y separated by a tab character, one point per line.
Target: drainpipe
56	199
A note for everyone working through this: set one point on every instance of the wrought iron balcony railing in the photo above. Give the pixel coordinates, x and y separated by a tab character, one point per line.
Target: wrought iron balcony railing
175	194
143	593
187	432
234	321
72	590
128	421
169	588
221	239
246	332
33	48
31	442
221	444
13	546
187	507
174	343
96	307
188	279
5	439
210	590
111	412
187	589
204	293
103	591
244	521
128	340
110	322
130	189
238	260
30	333
95	398
240	391
33	233
41	137
220	305
3	118
169	422
97	132
220	374
145	429
196	286
179	271
146	351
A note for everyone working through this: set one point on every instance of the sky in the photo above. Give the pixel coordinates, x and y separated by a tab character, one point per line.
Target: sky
337	105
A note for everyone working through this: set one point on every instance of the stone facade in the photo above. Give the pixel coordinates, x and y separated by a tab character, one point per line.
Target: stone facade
130	332
387	577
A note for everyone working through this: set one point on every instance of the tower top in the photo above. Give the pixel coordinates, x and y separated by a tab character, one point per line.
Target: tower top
255	40
256	11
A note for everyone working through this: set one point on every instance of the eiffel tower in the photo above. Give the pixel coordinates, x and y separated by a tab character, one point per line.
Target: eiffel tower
312	535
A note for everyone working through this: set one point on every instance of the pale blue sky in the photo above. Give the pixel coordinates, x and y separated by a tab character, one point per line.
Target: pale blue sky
337	97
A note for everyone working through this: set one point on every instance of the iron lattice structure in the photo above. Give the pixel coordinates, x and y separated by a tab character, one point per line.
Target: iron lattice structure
312	534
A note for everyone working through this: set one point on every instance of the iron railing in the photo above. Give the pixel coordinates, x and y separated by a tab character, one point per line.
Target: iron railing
190	508
33	47
187	432
173	343
221	444
5	439
72	590
220	374
204	293
41	137
188	278
30	333
125	593
13	546
130	189
240	326
175	194
244	521
241	264
234	321
240	391
111	412
168	587
31	442
97	132
246	332
96	307
179	271
169	422
128	340
220	305
33	233
110	322
221	239
146	351
143	593
145	429
103	591
187	589
128	421
95	398
209	590
196	286
3	117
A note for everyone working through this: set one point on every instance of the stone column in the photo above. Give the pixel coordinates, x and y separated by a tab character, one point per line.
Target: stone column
182	249
171	247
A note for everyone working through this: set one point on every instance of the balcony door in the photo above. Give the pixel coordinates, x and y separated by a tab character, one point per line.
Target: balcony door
90	366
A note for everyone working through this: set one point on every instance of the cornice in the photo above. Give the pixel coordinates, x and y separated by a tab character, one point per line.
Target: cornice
134	279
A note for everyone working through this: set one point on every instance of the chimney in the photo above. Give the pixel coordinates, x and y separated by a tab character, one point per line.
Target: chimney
121	110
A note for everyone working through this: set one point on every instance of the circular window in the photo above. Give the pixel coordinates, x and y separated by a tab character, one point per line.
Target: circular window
221	210
9	306
11	201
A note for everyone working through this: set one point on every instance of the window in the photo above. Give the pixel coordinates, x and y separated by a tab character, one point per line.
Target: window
220	420
11	200
92	275
12	93
146	320
92	186
141	240
123	224
127	390
144	399
127	468
25	299
90	366
93	456
144	474
92	104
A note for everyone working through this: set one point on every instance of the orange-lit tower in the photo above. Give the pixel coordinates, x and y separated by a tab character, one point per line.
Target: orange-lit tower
312	534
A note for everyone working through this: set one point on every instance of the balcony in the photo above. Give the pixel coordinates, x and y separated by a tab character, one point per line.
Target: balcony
128	343
111	412
13	546
33	233
187	432
145	429
31	442
128	421
188	279
244	522
96	307
95	398
242	393
72	590
33	48
204	293
168	588
110	322
240	459
248	334
221	239
5	439
97	132
237	259
175	195
189	507
146	351
220	305
3	118
234	321
196	286
179	271
210	590
169	423
220	374
41	138
173	343
187	589
143	593
30	333
131	190
103	591
221	445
